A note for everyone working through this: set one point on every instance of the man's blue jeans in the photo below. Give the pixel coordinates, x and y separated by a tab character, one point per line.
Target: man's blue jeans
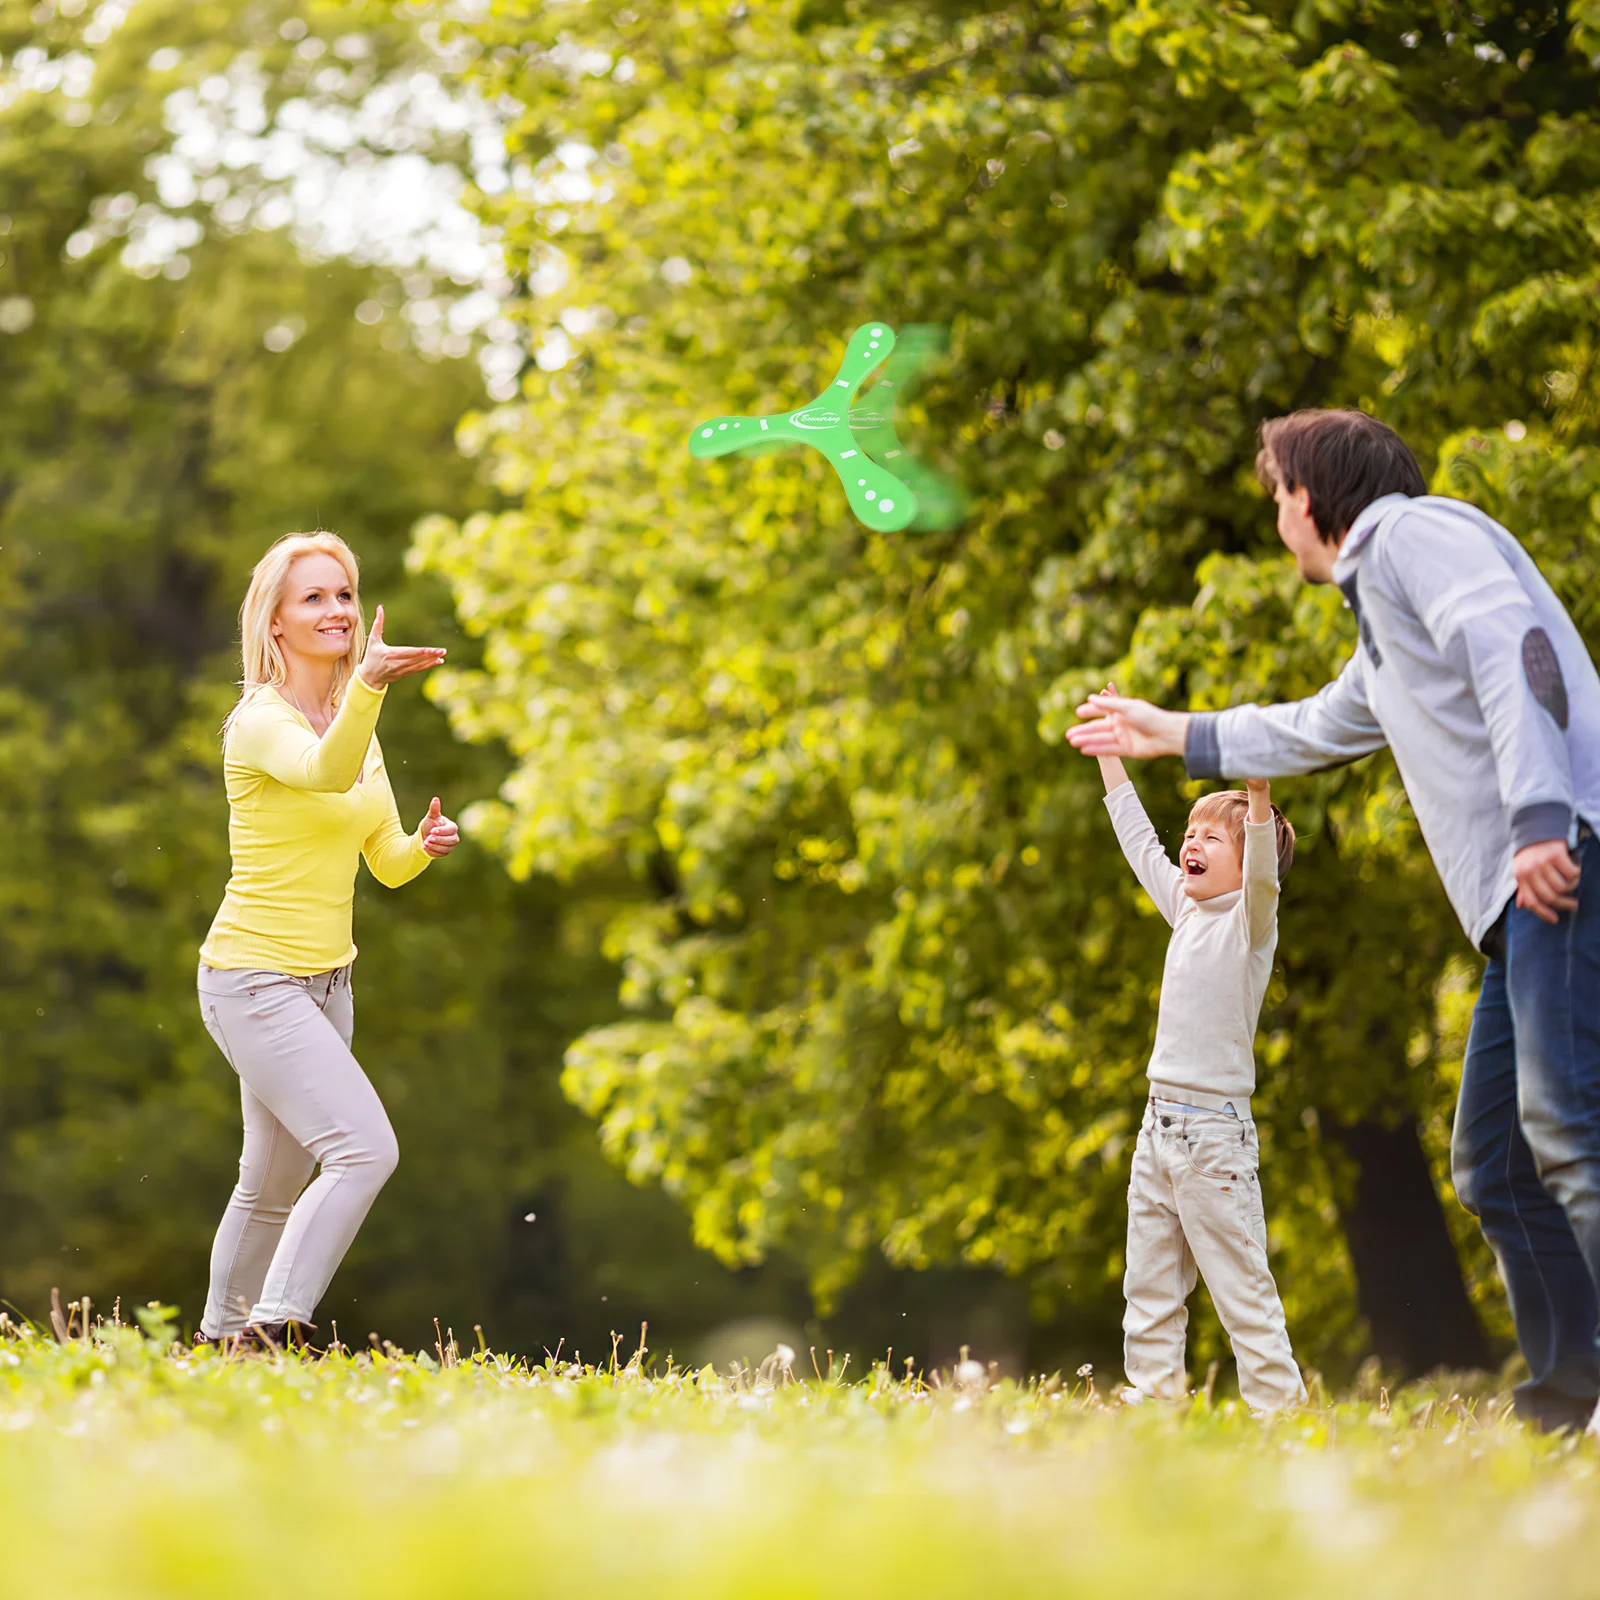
1525	1155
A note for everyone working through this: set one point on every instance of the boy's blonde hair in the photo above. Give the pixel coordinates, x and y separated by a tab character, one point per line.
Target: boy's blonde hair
263	659
1230	807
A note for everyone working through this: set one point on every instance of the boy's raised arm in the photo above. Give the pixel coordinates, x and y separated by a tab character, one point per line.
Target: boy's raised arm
1112	772
1260	863
1154	869
1152	866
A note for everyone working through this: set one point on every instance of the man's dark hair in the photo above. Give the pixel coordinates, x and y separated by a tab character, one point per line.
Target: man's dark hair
1345	458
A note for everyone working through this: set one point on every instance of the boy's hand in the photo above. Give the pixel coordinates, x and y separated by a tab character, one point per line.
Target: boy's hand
1117	726
1260	792
1112	773
1546	878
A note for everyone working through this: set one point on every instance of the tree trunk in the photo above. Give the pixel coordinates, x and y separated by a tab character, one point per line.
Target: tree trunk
1408	1279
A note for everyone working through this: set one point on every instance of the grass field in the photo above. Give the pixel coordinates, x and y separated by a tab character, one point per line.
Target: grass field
129	1466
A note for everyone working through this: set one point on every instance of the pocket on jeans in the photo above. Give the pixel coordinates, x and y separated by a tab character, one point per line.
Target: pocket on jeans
257	984
1219	1153
208	1015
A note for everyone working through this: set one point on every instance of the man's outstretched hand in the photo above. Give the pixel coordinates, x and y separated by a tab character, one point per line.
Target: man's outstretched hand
1547	879
1114	725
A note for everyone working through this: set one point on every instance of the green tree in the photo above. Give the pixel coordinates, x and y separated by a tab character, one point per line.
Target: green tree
157	431
894	991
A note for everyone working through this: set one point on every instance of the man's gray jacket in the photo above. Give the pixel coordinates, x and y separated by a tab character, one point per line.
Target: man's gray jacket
1470	670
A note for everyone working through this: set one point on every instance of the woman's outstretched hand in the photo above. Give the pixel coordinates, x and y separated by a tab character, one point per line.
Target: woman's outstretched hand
1114	725
385	662
439	835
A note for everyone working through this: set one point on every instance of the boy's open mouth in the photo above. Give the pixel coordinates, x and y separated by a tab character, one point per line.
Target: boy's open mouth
1194	868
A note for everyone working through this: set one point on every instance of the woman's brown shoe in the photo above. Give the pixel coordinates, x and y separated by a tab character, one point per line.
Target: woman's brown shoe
272	1338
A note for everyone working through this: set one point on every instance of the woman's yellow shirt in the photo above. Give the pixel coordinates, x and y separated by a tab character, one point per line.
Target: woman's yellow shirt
301	812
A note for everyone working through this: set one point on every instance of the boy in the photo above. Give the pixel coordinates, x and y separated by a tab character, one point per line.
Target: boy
1471	671
1194	1198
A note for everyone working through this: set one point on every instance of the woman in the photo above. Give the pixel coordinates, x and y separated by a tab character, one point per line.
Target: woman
307	795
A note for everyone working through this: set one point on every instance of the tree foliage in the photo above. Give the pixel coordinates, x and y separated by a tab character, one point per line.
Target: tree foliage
894	991
155	435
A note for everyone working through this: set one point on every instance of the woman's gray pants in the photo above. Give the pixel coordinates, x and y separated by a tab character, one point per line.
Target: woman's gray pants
307	1103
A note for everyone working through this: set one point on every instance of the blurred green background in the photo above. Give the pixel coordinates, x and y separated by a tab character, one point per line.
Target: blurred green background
790	982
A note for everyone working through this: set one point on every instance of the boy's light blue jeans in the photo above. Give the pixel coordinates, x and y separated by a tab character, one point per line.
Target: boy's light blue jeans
1525	1155
1194	1206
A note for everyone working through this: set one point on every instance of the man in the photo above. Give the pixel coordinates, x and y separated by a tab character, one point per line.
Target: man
1471	671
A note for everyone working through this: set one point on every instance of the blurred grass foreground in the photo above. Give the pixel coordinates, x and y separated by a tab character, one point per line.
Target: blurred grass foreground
142	1467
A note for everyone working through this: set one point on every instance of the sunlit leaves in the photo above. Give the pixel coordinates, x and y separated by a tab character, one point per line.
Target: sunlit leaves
896	958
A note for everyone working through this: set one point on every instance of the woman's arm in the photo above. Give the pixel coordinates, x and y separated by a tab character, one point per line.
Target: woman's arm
267	736
393	856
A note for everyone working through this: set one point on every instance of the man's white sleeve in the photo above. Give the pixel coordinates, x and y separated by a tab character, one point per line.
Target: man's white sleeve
1483	622
1332	726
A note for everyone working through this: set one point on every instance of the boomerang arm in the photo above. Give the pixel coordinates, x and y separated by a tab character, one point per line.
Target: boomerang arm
721	436
869	347
878	437
878	498
940	502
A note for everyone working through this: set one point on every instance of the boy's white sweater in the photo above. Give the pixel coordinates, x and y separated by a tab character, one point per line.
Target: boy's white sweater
1218	961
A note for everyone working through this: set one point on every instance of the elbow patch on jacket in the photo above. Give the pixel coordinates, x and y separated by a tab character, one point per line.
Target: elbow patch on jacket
1543	672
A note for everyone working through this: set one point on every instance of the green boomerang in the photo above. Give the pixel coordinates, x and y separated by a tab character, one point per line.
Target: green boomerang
940	502
876	496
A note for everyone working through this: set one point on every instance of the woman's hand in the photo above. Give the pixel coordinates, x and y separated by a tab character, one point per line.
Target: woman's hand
385	662
438	834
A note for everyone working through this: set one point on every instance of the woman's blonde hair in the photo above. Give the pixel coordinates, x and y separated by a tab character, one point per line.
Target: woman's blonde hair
264	665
